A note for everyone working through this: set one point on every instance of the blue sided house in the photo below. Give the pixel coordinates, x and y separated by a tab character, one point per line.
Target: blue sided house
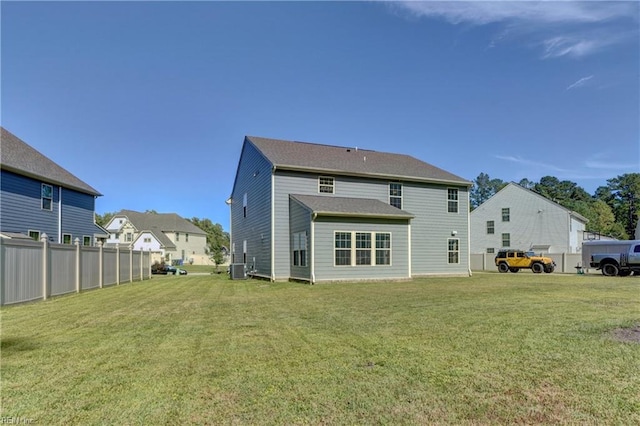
314	212
37	196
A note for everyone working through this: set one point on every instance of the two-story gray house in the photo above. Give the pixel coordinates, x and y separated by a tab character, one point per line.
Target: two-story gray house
326	213
38	196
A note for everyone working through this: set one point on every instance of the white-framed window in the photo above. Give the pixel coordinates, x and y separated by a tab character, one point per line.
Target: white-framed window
452	200
363	248
35	235
395	194
300	249
47	197
491	250
66	238
506	214
453	251
147	239
186	238
244	252
128	237
353	248
86	240
506	240
177	236
326	185
491	227
342	249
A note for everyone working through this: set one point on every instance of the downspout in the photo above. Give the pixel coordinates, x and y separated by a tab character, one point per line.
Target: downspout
273	224
469	237
312	247
59	214
409	250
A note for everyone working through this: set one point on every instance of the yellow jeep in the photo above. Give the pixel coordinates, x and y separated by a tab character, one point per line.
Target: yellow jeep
514	260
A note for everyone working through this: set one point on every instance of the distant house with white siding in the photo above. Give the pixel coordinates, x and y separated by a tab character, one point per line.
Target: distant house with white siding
318	212
173	236
519	218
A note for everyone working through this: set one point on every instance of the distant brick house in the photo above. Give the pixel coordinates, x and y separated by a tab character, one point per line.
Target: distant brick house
320	213
40	197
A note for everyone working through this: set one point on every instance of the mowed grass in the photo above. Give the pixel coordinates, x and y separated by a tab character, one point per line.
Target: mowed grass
490	349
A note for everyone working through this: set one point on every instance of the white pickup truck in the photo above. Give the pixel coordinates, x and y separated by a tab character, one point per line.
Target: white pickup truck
612	257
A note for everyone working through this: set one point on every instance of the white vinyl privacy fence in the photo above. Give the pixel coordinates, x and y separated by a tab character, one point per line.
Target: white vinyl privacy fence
31	270
565	262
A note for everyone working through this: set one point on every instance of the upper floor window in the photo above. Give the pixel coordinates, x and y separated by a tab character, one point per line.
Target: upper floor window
395	195
506	214
177	236
491	227
128	237
186	237
452	200
47	197
147	239
326	185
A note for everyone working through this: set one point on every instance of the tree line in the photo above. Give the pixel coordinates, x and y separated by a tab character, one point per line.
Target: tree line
217	238
612	210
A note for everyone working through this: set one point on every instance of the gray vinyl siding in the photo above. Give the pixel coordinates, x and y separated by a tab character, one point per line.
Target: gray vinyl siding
253	178
323	251
431	228
22	206
534	221
300	221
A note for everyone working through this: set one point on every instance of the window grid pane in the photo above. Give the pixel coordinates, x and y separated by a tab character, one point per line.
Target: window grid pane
491	227
452	198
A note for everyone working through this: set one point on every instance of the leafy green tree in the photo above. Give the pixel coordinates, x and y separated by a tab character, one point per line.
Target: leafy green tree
484	188
622	194
103	219
217	238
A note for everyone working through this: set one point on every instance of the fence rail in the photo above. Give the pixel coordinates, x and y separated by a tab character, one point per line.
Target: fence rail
32	270
565	262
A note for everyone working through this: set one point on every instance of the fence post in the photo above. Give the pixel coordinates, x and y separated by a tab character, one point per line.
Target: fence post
117	264
141	265
76	242
44	239
100	265
131	264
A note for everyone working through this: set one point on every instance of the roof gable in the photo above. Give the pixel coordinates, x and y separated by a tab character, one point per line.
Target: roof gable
164	222
18	157
305	156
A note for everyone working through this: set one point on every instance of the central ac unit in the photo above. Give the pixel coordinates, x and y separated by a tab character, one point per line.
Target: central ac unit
238	271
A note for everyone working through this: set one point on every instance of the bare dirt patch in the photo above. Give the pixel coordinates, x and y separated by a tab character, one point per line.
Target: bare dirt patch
628	335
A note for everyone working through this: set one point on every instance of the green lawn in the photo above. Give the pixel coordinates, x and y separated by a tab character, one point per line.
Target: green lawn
490	349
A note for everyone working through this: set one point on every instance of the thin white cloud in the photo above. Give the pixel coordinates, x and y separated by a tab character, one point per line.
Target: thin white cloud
560	28
523	161
602	161
581	82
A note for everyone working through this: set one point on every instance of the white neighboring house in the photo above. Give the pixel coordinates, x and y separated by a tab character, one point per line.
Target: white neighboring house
518	218
174	237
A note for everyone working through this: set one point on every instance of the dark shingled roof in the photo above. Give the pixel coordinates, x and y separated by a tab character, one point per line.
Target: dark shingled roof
350	161
356	207
167	222
18	157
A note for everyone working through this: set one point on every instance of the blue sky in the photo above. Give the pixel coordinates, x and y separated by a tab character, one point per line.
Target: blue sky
149	102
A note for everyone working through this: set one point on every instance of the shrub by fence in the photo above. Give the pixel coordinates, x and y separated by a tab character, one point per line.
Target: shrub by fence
31	270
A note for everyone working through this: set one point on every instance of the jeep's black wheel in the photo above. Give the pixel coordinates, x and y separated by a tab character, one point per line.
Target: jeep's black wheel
503	267
514	270
610	270
537	268
549	269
